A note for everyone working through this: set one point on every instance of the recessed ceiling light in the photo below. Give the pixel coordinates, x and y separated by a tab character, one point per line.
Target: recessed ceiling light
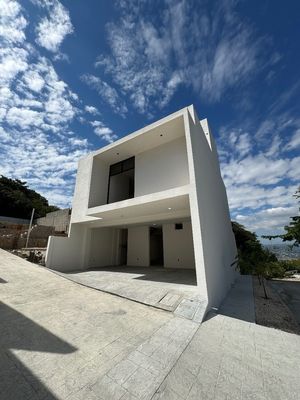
169	208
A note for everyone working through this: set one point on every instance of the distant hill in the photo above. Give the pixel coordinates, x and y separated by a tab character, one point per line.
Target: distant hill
17	200
284	251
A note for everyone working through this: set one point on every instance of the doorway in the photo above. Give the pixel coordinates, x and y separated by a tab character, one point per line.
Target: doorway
123	246
156	246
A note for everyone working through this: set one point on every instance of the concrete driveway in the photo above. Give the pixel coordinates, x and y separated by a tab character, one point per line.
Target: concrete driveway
60	340
169	289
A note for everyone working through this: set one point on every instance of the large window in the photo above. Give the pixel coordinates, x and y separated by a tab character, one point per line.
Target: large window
121	181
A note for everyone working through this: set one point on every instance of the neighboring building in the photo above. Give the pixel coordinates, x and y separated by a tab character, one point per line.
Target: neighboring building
154	197
59	220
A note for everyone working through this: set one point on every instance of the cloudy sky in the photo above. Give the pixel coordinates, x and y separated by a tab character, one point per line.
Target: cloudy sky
76	75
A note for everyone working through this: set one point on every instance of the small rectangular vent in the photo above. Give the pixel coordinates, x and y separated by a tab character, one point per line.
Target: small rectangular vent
178	226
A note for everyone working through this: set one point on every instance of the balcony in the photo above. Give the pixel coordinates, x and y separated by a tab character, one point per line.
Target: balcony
164	205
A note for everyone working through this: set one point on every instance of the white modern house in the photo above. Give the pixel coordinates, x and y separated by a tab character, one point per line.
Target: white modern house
153	198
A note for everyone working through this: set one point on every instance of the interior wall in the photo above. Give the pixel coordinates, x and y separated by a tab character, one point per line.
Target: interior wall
178	246
103	247
138	246
161	168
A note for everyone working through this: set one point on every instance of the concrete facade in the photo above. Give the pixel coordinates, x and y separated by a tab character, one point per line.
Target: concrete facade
59	219
175	212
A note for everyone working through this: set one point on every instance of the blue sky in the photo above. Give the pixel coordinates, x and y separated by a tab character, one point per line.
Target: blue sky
76	75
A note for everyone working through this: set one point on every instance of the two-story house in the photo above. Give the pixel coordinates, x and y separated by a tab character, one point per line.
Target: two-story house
153	198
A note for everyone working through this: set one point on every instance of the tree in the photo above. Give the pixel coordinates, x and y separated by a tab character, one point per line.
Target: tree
17	200
252	257
292	231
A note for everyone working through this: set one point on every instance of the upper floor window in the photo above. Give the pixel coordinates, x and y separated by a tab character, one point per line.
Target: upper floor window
121	181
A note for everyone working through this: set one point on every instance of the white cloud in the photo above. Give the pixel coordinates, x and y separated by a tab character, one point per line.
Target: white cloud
36	108
5	136
294	142
12	62
12	23
103	132
92	110
52	30
108	93
206	51
24	117
79	142
33	80
257	169
260	184
268	220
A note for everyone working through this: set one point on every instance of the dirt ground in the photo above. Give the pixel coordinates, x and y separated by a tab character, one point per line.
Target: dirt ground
273	312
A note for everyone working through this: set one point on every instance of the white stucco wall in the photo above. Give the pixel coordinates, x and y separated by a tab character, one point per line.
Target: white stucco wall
138	253
82	190
102	249
99	183
161	168
68	253
178	246
212	230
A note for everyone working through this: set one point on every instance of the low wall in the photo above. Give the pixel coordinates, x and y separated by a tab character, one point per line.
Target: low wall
67	253
60	220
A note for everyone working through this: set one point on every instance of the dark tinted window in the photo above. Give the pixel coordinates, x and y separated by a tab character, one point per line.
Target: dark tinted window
115	169
121	166
128	164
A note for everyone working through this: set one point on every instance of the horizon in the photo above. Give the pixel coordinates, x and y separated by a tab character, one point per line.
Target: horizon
76	76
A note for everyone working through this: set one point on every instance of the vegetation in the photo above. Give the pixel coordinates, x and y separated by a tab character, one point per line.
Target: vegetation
292	231
17	200
254	259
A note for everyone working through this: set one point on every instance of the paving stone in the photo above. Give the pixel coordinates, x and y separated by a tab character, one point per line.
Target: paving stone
129	396
107	389
170	300
122	371
153	366
187	308
62	341
180	380
141	383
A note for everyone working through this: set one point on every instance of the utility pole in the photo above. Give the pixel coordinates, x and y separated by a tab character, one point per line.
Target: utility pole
30	226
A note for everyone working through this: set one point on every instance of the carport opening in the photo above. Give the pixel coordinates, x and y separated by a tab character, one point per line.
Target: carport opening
156	246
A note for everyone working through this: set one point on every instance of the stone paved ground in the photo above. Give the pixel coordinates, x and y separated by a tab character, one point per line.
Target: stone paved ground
60	340
169	289
230	357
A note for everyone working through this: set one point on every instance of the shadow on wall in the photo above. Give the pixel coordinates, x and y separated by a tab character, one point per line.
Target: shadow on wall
20	333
